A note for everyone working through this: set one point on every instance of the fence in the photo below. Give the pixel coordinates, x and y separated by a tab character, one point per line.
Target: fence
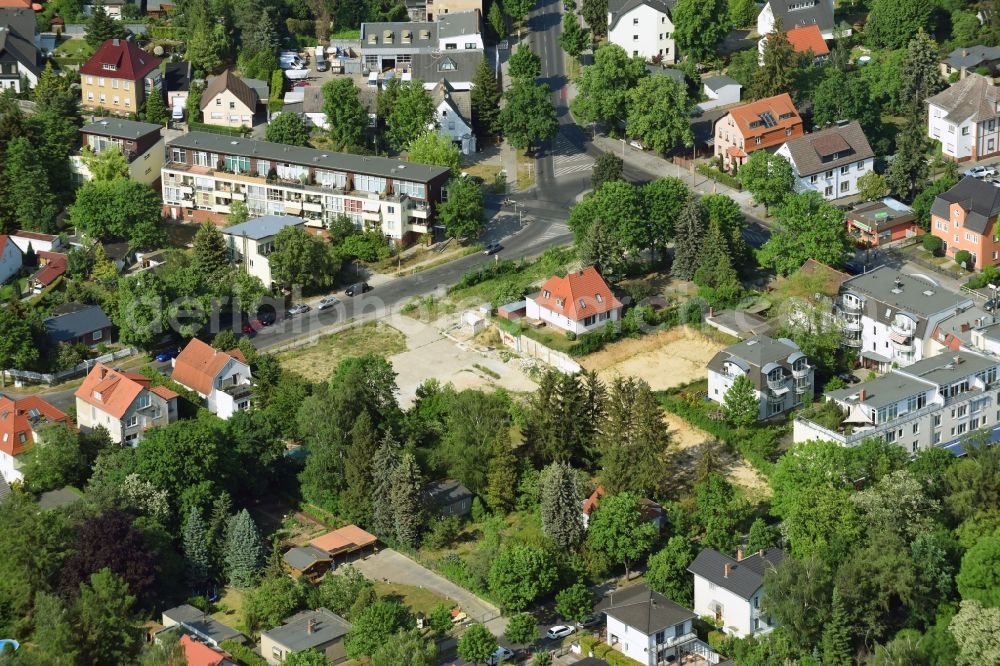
21	377
534	349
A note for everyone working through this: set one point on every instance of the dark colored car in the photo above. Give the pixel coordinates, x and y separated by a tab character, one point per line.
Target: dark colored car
167	354
492	248
357	289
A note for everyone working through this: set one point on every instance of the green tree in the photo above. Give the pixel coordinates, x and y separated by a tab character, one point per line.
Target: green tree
155	110
601	249
836	645
519	575
563	417
440	618
520	628
603	88
238	214
211	254
891	23
106	630
720	510
768	177
633	442
337	593
248	291
666	571
561	520
658	113
192	106
501	476
290	129
107	165
620	531
406	648
897	503
975	630
384	465
715	266
528	116
699	25
908	172
806	227
979	577
406	500
310	657
196	551
244	551
497	20
55	460
689	232
275	101
54	640
119	209
778	65
607	167
357	496
797	594
140	315
462	214
524	63
433	148
412	111
921	78
485	95
299	258
739	404
743	13
33	204
573	603
374	626
267	605
101	27
574	38
477	644
761	536
843	95
344	112
872	186
595	13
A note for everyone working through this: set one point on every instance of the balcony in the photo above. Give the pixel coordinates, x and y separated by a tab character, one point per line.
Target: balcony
421	212
852	341
801	372
901	332
902	347
852	324
776	384
802	388
294	207
850	305
313	207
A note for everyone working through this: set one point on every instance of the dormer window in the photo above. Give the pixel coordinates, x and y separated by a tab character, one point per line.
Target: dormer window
560	302
111	67
582	303
546	294
598	298
97	395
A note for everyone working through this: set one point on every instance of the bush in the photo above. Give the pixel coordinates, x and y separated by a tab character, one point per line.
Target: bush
720	176
570	335
932	243
443	532
242	654
964	257
489	272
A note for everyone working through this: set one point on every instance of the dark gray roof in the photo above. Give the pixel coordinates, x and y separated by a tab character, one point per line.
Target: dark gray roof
55	499
72	325
718	82
758	353
456	24
264	226
177	76
202	625
745	577
882	215
672	72
20	48
446	492
819	13
19	19
881	391
829	148
970	57
294	635
973	97
643	609
619	8
392	36
460	100
120	128
978	198
453	66
373	166
305	556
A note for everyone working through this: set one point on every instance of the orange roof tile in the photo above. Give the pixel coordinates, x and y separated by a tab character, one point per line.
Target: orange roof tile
163	392
111	391
771	116
346	539
19	4
579	295
197	366
17	418
199	654
590	503
808	38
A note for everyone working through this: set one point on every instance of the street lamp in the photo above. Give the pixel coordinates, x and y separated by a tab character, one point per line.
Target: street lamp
623	148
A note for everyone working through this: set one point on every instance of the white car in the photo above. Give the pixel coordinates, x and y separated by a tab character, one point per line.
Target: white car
501	655
635	144
327	302
980	171
559	631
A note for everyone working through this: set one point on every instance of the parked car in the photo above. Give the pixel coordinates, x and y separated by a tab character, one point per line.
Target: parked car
301	84
590	620
167	354
980	171
559	631
301	308
327	302
357	289
848	378
635	144
492	248
499	656
252	326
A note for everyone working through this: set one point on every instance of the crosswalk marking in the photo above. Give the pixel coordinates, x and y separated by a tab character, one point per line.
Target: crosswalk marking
567	158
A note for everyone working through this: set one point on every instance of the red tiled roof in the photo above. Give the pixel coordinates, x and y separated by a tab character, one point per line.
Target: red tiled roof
34	235
54	267
117	390
199	364
650	509
751	114
808	38
17	4
130	61
346	539
579	295
199	654
16	420
163	392
734	151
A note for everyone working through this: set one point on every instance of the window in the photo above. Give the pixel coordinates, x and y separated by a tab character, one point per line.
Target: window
635	21
218	101
758	140
635	38
103	99
788	131
828	191
90	80
100	81
132	422
116	100
916	428
936	439
128	85
232	105
965	131
97	335
114	84
812	178
861	165
828	174
845	186
470	45
845	169
451	47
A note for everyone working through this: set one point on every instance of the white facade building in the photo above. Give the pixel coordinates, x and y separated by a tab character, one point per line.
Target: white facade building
578	303
795	13
221	378
11	258
965	119
453	116
781	374
643	28
251	242
830	161
731	589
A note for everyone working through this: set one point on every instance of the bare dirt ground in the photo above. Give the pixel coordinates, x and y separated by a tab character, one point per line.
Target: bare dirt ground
664	360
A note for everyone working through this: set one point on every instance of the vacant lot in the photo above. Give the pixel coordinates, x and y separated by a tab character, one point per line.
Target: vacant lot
664	360
315	362
417	599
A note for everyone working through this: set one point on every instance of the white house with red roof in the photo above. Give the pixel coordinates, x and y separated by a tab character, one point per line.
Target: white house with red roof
20	421
11	258
124	403
578	303
221	378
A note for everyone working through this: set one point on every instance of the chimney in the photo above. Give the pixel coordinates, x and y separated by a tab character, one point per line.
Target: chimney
965	53
311	626
728	570
861	395
739	554
104	372
957	359
761	552
116	42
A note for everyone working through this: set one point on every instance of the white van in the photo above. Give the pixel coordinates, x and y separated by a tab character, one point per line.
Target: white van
321	63
373	80
178	111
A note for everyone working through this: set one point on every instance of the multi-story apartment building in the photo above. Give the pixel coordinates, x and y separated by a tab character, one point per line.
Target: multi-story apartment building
965	119
251	242
764	124
932	403
392	45
830	161
965	218
796	13
140	143
890	317
205	173
643	28
118	77
780	373
124	403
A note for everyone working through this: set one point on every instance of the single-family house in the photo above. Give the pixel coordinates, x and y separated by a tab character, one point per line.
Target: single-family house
20	421
177	77
762	125
140	143
308	102
651	629
966	59
308	561
320	630
20	18
20	60
643	28
965	119
252	241
11	258
799	13
720	91
830	161
804	39
113	8
449	498
38	242
875	223
731	589
651	511
228	101
781	374
346	541
124	403
578	303
77	323
202	626
453	116
965	218
221	378
119	77
202	654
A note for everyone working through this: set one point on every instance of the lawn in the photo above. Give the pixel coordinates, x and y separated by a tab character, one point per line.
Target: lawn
553	262
317	361
230	607
346	33
417	599
551	338
525	171
73	51
13	290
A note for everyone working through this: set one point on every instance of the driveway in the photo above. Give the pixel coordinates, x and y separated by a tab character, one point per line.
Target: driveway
392	566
